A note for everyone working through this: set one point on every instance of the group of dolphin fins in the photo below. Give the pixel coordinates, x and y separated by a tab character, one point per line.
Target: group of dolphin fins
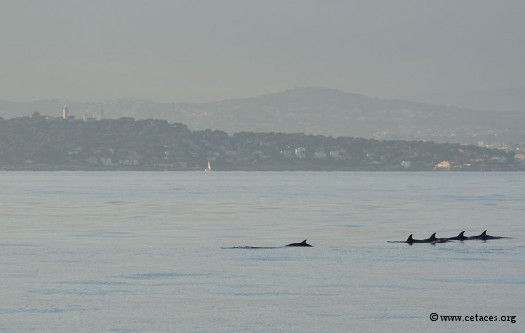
410	240
461	237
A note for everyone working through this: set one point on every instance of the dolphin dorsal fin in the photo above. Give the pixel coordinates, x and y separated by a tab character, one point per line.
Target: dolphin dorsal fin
409	239
433	237
461	234
484	233
303	242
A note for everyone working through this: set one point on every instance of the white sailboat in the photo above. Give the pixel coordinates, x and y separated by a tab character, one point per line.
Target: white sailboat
209	167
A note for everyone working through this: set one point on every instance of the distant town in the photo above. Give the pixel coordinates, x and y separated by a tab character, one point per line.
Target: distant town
40	142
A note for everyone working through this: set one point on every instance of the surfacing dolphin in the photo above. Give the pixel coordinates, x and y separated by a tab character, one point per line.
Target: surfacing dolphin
484	236
459	237
301	244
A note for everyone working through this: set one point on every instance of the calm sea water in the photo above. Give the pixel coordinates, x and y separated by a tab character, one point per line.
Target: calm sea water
142	252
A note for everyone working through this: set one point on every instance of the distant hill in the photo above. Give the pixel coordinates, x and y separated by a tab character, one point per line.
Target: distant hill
311	111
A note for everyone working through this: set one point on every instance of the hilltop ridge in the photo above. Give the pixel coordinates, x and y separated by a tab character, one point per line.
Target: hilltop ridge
311	110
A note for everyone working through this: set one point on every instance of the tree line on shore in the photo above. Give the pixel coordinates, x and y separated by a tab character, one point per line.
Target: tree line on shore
43	143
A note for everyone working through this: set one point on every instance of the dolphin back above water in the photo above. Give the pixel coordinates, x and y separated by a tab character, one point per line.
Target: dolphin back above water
301	244
484	236
459	237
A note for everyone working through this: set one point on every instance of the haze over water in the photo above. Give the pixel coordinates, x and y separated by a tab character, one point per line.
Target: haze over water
467	53
141	252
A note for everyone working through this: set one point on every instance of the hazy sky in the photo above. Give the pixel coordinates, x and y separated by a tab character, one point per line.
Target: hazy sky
464	52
